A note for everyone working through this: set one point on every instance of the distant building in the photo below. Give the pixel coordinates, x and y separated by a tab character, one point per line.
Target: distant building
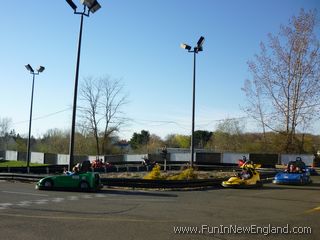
124	146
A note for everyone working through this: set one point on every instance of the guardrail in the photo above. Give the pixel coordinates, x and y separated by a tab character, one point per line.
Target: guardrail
20	177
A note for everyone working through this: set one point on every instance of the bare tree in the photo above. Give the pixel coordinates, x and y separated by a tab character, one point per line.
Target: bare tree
228	135
256	104
90	93
112	101
284	91
102	100
5	124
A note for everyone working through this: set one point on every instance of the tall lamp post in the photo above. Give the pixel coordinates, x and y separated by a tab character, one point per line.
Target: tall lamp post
88	6
196	49
39	70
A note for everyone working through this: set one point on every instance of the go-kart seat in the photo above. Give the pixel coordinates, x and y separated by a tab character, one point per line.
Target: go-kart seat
85	166
251	172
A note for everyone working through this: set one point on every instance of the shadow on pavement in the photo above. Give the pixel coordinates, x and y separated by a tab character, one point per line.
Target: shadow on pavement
136	193
312	186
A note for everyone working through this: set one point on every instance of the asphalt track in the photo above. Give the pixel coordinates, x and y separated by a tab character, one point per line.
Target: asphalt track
28	214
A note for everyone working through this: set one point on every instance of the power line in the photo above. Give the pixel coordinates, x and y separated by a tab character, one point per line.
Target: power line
44	116
152	123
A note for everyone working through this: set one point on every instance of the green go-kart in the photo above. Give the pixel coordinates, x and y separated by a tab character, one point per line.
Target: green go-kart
83	180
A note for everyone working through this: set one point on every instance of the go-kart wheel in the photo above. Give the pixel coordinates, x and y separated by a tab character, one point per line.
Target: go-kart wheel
48	183
259	184
84	186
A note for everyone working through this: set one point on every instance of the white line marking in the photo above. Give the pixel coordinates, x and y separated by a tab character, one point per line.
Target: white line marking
86	196
6	204
41	201
57	200
73	198
99	195
25	193
24	203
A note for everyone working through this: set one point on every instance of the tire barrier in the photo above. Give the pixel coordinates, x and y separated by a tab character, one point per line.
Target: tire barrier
160	184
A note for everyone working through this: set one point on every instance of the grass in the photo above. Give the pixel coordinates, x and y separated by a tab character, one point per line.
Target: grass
18	164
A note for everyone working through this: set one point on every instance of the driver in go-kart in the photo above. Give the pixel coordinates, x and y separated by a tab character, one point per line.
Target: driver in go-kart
75	170
245	174
291	168
297	166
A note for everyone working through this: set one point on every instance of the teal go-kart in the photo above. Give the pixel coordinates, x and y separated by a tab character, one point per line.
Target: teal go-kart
83	180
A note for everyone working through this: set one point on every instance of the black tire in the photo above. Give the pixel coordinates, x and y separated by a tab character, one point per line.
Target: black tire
48	184
301	181
259	184
84	186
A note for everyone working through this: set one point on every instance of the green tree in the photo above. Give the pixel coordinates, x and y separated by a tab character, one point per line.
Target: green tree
139	139
201	138
178	141
21	143
183	141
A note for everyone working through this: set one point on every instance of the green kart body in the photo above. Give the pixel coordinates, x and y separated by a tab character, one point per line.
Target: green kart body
83	181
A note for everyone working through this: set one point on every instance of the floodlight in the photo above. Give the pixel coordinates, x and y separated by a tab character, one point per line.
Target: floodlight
93	5
88	3
29	68
185	46
200	43
72	5
41	69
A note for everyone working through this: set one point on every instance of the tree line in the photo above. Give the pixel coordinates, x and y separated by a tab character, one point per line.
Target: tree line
229	136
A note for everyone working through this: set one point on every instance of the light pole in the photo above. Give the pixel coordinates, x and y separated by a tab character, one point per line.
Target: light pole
39	70
88	6
195	50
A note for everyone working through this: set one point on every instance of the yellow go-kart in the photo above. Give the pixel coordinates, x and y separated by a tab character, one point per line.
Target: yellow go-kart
248	178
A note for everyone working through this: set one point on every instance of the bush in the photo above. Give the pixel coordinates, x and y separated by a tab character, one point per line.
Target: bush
186	174
155	173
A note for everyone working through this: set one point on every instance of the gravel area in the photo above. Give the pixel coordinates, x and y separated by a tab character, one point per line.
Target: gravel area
200	174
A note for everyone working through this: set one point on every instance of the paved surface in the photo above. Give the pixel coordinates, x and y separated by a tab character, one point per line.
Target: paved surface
28	214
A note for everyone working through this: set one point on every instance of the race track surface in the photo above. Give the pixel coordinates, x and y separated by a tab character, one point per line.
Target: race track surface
118	214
